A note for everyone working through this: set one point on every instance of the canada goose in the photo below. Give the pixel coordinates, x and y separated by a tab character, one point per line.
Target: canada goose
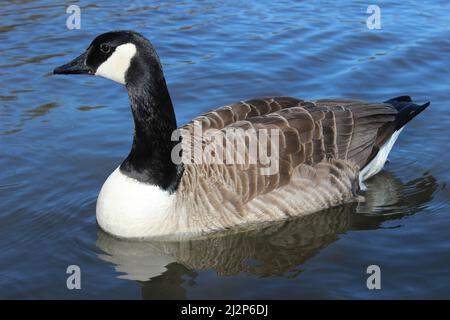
327	148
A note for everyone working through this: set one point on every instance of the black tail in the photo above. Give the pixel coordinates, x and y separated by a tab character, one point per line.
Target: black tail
406	108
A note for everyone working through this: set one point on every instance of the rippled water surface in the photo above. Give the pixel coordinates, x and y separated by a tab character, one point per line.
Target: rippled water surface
60	137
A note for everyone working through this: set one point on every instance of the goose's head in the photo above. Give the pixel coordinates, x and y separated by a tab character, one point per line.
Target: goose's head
121	56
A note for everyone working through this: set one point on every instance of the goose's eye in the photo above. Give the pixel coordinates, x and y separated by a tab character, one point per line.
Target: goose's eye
105	48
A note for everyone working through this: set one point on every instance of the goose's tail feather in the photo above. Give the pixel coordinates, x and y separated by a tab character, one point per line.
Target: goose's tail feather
406	108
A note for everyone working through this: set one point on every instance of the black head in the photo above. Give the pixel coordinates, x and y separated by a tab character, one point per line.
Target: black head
128	58
115	55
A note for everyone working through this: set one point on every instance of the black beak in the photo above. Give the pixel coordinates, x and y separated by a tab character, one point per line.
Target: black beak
76	66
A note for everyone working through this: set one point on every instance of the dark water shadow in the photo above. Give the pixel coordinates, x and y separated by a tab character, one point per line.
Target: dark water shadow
164	268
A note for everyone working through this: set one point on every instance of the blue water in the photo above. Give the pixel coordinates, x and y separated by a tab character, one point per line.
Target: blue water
60	137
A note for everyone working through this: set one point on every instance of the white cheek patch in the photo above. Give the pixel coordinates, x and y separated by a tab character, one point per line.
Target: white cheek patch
116	66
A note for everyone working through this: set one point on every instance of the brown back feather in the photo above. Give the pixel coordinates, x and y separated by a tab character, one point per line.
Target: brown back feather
310	132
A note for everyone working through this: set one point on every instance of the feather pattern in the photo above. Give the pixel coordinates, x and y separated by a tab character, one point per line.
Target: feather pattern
323	145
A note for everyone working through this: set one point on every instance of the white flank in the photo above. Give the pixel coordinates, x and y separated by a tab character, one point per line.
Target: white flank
378	162
131	209
116	66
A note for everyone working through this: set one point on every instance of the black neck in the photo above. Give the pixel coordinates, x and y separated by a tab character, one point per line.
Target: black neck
150	160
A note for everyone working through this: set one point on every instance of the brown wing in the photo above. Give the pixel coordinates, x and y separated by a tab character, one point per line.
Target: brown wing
310	132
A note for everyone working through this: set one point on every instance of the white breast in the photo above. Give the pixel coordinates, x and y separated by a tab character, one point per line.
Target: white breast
131	209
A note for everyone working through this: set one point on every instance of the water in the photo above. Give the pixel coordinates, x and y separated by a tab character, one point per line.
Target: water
61	136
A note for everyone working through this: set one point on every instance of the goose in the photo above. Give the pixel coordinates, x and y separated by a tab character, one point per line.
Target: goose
326	150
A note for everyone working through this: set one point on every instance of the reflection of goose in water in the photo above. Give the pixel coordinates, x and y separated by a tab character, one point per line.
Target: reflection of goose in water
273	250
